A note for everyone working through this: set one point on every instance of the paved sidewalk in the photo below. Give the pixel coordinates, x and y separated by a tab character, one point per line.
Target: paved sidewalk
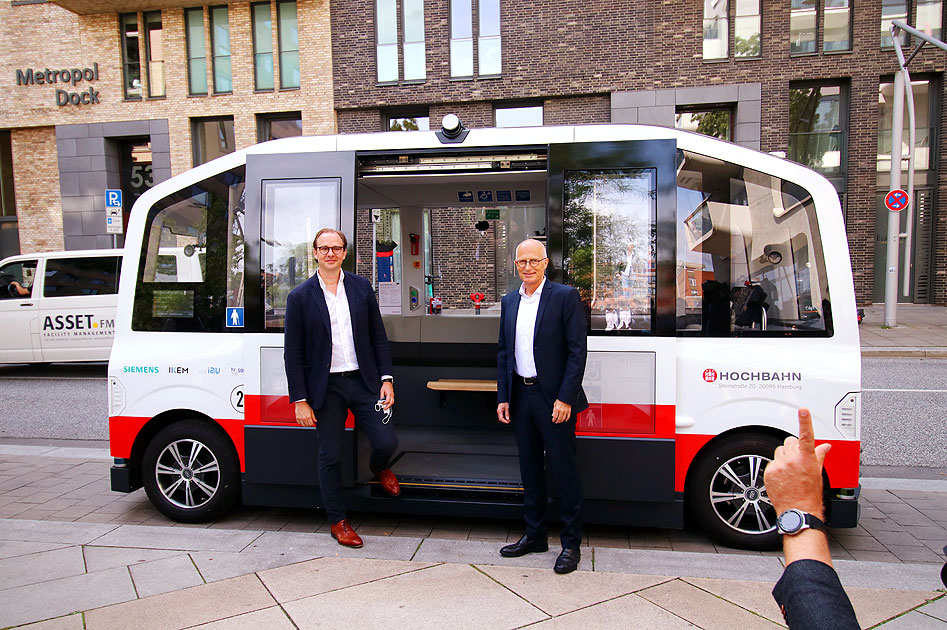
921	331
76	555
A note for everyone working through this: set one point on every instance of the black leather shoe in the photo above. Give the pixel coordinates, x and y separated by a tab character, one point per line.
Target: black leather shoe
568	561
524	546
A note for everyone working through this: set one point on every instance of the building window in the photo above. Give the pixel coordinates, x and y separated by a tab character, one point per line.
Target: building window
489	46
929	17
196	57
131	58
817	121
220	44
288	44
386	36
716	29
281	125
747	29
212	138
838	26
715	122
395	122
262	46
414	53
519	116
892	10
154	53
7	198
925	126
802	27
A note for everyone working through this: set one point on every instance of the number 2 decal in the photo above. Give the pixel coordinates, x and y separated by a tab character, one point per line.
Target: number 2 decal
236	398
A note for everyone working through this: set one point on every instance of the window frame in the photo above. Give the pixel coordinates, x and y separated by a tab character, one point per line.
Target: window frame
726	38
706	109
387	117
475	40
190	50
851	29
123	23
254	6
149	54
264	121
844	124
520	106
211	11
196	145
284	51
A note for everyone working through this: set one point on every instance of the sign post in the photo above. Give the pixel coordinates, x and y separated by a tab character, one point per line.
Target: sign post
113	214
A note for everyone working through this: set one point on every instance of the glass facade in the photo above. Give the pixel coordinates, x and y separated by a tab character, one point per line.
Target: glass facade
817	121
262	46
924	126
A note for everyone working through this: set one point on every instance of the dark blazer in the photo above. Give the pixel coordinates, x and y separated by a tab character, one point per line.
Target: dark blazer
811	597
559	345
307	349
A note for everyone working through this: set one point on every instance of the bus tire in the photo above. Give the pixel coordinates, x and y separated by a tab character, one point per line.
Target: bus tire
190	472
727	496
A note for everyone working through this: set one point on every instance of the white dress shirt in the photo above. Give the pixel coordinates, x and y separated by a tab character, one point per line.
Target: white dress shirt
340	324
525	364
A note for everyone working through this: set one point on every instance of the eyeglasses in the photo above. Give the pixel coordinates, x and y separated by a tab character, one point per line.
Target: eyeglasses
324	249
532	262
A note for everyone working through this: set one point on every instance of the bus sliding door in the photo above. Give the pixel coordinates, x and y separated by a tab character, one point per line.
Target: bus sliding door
290	197
611	236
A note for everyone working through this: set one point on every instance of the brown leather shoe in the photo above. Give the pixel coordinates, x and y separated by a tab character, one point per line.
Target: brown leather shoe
344	533
389	483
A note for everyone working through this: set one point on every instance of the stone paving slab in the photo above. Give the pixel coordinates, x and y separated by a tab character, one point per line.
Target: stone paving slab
69	622
165	575
629	611
41	567
269	618
12	548
653	562
901	576
101	558
313	545
223	565
195	539
704	609
483	552
52	532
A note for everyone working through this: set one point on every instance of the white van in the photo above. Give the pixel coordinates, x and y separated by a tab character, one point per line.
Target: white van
58	306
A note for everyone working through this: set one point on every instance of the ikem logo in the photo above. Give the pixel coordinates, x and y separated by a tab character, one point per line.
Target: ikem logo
710	375
177	370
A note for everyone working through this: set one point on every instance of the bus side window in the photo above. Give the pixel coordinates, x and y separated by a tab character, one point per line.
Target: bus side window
192	257
749	253
608	253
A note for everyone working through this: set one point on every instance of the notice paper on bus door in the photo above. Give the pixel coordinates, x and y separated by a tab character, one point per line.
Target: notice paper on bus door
389	298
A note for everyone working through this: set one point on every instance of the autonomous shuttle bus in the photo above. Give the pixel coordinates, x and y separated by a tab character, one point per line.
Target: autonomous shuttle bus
716	280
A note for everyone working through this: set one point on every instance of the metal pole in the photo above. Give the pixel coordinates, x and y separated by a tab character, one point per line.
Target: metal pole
907	264
894	219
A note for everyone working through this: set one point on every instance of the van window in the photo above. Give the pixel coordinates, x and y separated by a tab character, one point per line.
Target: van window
22	273
608	248
82	276
749	253
192	257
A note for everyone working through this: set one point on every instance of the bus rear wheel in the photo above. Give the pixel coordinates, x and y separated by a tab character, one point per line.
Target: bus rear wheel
727	495
190	472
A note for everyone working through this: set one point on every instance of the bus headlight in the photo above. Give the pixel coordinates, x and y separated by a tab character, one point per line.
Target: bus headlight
848	415
116	397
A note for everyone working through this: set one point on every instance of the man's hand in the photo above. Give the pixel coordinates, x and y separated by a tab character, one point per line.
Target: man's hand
503	413
304	415
387	394
561	411
794	477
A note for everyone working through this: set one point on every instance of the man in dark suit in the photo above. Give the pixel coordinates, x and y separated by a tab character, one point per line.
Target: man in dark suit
540	363
338	359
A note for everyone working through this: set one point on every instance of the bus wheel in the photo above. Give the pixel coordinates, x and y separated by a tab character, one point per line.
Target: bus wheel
727	495
190	472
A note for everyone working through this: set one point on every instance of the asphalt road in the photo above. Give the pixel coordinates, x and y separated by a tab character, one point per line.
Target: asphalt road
903	407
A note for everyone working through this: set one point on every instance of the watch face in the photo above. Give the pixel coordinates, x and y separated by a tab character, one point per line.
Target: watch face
790	521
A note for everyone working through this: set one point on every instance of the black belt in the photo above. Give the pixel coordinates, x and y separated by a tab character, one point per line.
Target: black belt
525	380
344	374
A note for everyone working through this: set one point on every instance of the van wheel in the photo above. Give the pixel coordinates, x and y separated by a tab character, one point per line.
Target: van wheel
190	472
727	496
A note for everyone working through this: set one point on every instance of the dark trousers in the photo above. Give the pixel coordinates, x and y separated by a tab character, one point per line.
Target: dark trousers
543	443
344	392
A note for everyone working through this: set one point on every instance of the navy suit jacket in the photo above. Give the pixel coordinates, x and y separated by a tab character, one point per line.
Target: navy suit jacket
811	597
307	350
559	345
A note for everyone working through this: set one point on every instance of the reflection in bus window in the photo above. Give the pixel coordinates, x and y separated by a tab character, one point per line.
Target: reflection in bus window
293	211
608	252
749	254
189	265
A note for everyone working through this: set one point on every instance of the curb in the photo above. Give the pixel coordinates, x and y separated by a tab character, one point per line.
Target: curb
906	352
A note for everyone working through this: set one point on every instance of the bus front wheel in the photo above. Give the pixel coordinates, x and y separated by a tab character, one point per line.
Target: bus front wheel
727	495
190	472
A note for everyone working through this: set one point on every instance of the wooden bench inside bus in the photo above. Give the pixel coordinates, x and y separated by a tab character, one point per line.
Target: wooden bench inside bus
444	385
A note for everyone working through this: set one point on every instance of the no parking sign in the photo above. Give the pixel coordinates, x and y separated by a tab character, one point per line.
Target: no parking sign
896	200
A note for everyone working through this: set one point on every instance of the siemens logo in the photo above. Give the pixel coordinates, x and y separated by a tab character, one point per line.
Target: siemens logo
140	369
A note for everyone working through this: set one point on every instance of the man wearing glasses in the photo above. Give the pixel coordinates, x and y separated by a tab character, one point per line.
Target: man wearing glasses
540	362
338	359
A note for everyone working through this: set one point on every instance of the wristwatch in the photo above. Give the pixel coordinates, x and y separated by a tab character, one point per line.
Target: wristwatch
387	379
793	521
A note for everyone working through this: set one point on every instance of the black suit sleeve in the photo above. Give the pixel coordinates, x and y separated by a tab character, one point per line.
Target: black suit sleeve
502	358
575	326
811	597
376	327
294	347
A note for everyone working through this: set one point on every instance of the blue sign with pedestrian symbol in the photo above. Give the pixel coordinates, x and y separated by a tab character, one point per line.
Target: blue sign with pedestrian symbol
234	317
113	198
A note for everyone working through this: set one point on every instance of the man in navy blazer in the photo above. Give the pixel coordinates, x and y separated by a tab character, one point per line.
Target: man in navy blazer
337	359
540	362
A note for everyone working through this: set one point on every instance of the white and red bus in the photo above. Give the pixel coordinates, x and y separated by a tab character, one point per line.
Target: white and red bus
716	278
